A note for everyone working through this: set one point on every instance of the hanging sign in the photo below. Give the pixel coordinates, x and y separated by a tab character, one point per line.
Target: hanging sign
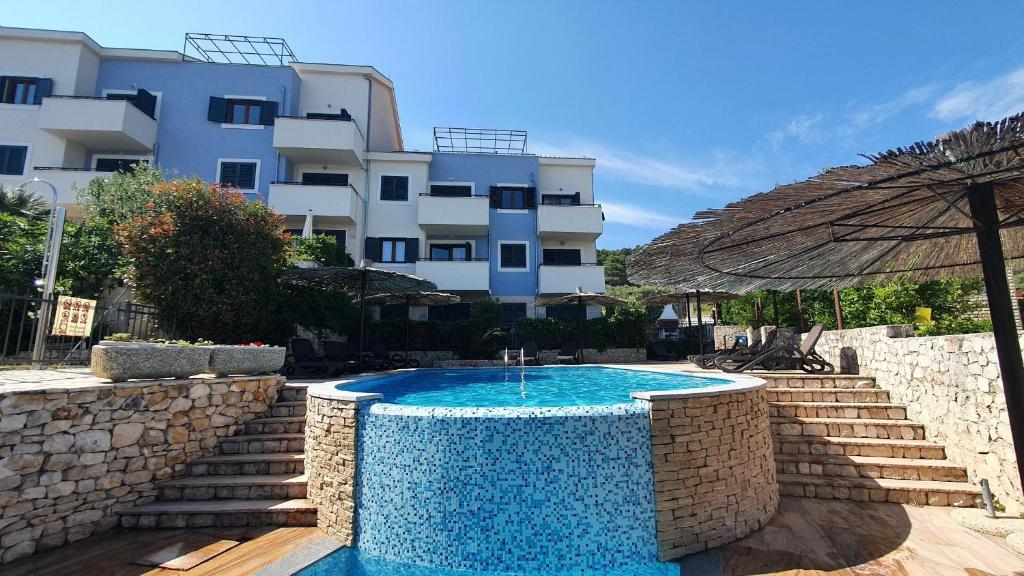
74	316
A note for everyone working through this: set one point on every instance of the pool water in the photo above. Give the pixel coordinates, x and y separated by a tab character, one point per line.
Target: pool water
350	562
524	387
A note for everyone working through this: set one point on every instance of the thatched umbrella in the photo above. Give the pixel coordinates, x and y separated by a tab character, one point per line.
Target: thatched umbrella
583	299
683	297
951	207
361	280
412	299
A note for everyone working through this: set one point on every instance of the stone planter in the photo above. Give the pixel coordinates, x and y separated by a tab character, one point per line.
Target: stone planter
120	361
225	360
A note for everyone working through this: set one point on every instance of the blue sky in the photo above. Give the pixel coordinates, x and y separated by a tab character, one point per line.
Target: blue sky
685	105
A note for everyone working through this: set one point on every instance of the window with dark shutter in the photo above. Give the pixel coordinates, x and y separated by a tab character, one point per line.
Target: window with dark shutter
12	160
562	257
218	110
20	90
393	250
452	252
394	188
371	248
451	190
513	256
513	197
325	178
241	175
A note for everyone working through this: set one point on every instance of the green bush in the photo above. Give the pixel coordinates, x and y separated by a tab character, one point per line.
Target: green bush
477	336
320	248
625	327
423	335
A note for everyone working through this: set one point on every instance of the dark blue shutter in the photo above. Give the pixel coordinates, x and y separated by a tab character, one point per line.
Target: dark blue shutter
530	197
495	197
387	187
44	87
371	250
146	102
469	250
576	199
268	112
412	249
402	188
218	111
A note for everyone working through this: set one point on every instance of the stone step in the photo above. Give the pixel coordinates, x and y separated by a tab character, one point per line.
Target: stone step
262	443
252	487
920	492
838	446
276	425
236	464
870	467
799	380
221	513
847	428
292	392
868	410
296	408
827	395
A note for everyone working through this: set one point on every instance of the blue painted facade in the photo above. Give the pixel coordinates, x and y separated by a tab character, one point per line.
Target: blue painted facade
187	142
486	170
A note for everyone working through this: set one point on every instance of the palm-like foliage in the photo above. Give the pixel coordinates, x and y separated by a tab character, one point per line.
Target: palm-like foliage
18	202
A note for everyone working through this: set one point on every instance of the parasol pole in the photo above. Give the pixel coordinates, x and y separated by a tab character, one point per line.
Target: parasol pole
800	310
362	314
717	313
700	326
689	323
775	307
1004	327
583	314
408	323
839	308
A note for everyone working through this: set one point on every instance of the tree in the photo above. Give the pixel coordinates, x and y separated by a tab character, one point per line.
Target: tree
614	262
19	202
207	257
320	248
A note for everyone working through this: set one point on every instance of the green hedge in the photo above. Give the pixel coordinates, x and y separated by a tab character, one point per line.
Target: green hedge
625	327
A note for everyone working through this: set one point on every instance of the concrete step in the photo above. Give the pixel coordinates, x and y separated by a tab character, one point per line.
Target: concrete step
248	464
920	492
827	395
296	408
292	392
847	428
870	467
276	425
838	446
252	487
869	410
800	380
262	443
221	513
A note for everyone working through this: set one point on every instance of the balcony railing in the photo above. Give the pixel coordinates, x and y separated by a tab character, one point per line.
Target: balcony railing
319	140
570	221
460	215
555	279
325	200
472	275
99	123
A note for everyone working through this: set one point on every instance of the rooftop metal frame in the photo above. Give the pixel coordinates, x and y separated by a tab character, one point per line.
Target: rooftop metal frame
479	140
238	49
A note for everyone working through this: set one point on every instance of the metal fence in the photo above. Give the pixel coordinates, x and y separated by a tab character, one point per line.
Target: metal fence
20	319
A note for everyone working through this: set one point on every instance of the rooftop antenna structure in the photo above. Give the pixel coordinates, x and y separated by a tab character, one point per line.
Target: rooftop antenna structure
238	49
479	140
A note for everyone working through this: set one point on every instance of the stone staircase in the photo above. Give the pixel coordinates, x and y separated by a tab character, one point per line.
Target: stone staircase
256	479
840	437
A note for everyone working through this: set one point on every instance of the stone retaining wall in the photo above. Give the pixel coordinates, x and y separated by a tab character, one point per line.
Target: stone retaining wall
72	459
949	383
331	464
714	473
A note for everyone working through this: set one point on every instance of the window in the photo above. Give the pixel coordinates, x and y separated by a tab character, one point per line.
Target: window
458	252
242	111
449	313
123	165
513	255
20	90
12	160
394	312
325	178
561	257
511	312
570	312
513	197
451	190
560	199
392	250
394	188
241	175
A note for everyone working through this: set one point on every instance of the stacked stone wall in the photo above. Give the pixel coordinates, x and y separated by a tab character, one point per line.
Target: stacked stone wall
73	459
331	464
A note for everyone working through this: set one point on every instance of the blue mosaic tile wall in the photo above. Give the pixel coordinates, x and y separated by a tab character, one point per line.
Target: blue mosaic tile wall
536	490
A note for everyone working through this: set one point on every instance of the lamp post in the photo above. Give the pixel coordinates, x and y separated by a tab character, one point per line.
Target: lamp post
48	274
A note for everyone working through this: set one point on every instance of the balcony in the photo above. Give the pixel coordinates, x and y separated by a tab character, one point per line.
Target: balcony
98	123
295	198
319	140
456	275
570	222
565	279
468	215
65	180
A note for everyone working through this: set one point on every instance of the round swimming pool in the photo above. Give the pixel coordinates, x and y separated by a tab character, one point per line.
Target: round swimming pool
525	387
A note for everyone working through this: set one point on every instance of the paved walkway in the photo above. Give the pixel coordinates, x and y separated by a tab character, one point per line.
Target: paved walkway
16	379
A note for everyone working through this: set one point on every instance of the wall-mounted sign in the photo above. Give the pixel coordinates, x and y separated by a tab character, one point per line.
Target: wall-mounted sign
74	316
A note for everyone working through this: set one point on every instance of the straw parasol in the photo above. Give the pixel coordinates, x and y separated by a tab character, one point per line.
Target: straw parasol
412	299
361	280
949	207
583	299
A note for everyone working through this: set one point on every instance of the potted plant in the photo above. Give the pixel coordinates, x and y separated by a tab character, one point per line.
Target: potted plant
122	358
247	359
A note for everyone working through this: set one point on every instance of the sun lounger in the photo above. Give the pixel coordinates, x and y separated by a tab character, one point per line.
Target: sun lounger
781	357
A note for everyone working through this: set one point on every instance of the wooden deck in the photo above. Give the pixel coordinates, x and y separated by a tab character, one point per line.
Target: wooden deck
807	538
